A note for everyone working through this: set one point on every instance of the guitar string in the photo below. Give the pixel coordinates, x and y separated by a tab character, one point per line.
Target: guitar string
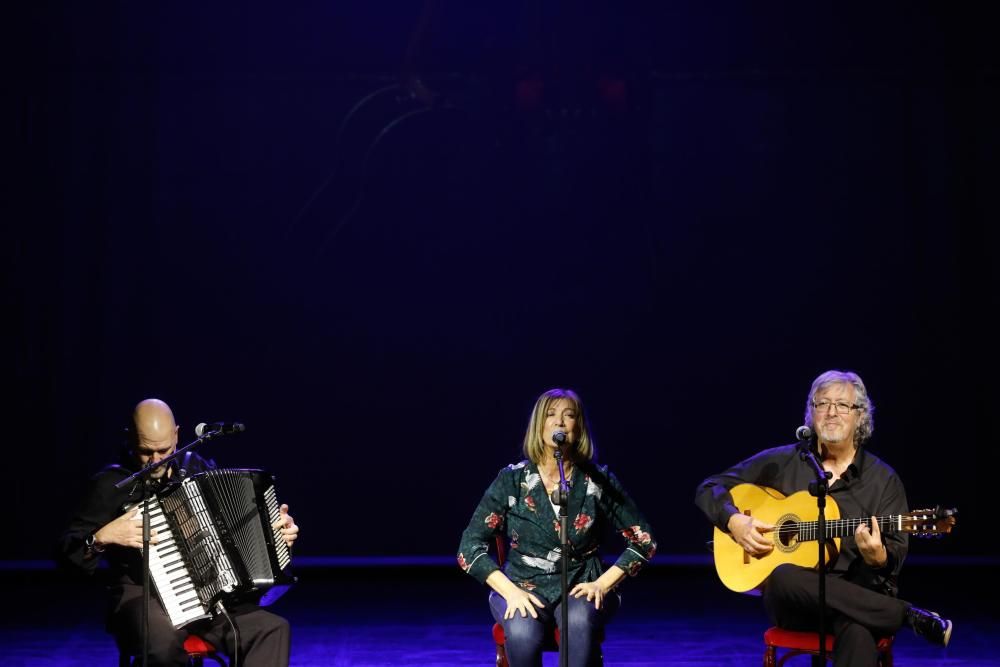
841	527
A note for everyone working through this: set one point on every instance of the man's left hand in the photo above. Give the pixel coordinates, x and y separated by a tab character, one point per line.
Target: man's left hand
286	523
870	544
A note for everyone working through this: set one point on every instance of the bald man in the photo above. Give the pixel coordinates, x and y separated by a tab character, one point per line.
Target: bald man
101	527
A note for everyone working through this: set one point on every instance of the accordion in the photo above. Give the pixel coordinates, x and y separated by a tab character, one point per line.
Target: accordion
216	542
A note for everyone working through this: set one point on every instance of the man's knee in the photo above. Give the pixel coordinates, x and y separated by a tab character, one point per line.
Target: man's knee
785	580
854	634
166	645
262	630
855	645
164	649
277	625
167	651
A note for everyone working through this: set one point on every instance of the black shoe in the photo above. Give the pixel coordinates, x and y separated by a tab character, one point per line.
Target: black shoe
929	625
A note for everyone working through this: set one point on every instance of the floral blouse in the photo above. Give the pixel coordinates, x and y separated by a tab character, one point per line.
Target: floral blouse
517	506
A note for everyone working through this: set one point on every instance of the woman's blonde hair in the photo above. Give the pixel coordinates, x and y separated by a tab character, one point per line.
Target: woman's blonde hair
583	444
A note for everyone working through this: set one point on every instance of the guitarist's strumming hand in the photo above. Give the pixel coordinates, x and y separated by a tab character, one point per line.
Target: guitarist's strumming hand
748	532
870	545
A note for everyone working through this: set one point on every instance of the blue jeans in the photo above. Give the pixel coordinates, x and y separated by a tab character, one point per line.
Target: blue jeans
526	636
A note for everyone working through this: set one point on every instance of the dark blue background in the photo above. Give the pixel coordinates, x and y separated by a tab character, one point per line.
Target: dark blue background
236	209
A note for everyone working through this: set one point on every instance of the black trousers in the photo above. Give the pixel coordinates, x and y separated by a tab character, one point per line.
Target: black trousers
856	616
265	637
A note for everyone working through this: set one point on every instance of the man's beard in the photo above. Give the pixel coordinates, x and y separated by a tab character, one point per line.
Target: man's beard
833	435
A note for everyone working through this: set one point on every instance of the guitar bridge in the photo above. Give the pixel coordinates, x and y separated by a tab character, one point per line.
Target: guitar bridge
746	556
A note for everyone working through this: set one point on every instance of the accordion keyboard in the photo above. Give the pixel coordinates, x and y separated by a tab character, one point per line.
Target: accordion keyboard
168	572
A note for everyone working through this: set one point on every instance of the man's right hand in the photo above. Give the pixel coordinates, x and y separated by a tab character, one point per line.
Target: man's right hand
125	531
749	534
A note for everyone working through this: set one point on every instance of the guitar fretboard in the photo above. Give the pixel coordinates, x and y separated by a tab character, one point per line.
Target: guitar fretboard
809	530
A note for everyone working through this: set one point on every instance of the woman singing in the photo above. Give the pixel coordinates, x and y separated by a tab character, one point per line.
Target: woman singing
527	593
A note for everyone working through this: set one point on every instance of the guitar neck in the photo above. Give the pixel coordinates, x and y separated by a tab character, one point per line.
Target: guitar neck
809	530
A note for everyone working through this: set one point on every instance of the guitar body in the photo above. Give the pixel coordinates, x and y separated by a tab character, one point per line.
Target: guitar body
744	573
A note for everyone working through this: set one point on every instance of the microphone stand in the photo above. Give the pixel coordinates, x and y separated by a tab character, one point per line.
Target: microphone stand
560	497
143	477
818	488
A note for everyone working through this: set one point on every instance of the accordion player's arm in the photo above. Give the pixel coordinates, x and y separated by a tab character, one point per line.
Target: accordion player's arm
97	516
125	531
289	529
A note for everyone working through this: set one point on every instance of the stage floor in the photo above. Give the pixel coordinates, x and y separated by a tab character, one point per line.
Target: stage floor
671	615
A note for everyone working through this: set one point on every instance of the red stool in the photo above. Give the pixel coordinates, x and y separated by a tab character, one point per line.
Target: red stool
197	649
807	643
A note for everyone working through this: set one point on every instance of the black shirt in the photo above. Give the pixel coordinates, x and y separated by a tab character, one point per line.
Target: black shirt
103	503
868	487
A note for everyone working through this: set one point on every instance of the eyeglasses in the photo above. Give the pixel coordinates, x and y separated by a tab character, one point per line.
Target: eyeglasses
840	407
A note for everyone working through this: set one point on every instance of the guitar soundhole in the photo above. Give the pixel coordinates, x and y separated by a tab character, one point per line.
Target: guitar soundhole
787	534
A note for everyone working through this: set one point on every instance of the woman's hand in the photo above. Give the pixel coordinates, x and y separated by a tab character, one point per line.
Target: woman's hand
593	590
521	600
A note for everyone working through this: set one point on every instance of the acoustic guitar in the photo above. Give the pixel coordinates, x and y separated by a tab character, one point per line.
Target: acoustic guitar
796	532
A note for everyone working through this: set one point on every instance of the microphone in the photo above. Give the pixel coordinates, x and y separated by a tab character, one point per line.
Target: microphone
557	496
803	433
218	428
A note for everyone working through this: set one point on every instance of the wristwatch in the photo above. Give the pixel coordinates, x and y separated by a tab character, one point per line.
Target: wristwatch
91	545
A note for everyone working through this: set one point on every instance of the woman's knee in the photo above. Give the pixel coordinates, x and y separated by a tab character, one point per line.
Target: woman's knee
584	615
523	632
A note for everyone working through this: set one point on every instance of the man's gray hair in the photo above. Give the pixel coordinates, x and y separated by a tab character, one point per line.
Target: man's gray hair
866	424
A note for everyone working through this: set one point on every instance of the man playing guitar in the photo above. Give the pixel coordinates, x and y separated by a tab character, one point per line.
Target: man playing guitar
861	581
